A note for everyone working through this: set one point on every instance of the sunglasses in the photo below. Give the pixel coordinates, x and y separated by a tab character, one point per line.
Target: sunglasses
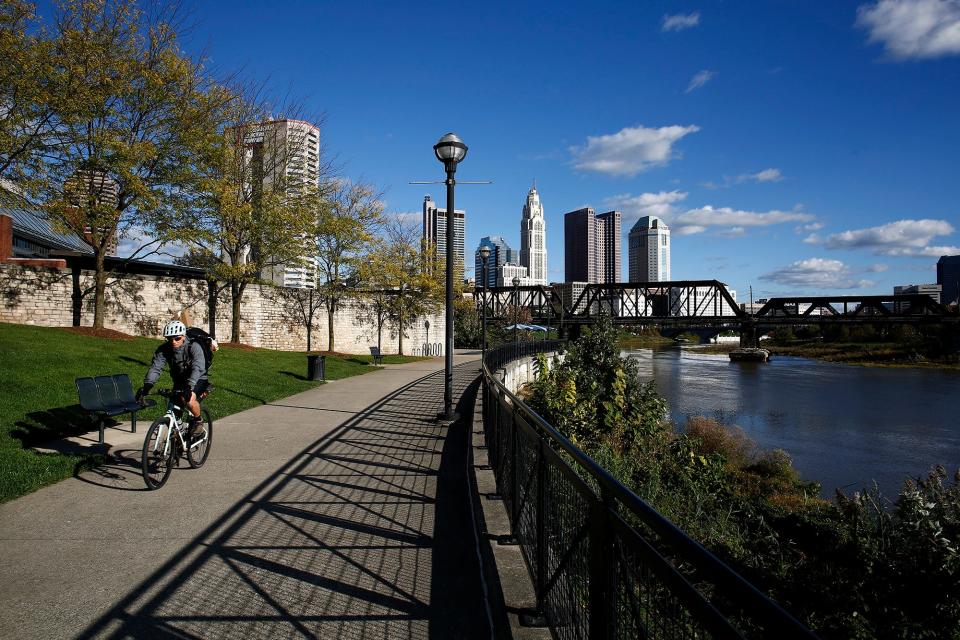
174	338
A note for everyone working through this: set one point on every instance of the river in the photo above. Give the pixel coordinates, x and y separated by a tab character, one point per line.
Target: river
844	426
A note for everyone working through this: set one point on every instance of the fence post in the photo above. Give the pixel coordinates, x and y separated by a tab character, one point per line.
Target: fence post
601	567
541	526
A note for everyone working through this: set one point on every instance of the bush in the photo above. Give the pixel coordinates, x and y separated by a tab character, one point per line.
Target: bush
859	567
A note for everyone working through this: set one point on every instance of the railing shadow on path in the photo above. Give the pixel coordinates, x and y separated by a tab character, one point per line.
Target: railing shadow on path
365	534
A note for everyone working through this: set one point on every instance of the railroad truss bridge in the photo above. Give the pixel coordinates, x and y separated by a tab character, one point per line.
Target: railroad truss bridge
702	306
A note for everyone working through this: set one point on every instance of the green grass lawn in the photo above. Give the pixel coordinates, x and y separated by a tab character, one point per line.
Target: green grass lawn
39	399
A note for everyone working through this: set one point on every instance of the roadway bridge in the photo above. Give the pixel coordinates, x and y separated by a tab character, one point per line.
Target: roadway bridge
701	305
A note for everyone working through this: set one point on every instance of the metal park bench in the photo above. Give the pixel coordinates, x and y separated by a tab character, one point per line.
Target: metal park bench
110	396
377	356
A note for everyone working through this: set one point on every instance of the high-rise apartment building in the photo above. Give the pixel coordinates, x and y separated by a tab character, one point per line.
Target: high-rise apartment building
500	254
608	247
285	155
649	250
93	193
533	247
948	277
435	232
591	246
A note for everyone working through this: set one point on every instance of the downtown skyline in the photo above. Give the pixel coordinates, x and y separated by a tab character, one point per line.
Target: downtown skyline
792	148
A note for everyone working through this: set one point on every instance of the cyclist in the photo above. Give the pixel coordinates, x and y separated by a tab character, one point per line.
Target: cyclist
186	361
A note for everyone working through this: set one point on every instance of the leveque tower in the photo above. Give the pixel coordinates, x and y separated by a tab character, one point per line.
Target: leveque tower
533	241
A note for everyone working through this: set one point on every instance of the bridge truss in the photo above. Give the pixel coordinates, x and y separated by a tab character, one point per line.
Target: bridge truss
700	303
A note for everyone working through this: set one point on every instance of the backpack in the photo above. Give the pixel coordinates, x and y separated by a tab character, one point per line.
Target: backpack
206	342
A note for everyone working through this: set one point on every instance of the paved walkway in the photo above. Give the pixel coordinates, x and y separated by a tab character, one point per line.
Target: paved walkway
341	512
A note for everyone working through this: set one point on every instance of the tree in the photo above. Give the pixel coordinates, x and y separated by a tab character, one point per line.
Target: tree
375	292
301	305
121	159
253	217
346	219
404	263
32	94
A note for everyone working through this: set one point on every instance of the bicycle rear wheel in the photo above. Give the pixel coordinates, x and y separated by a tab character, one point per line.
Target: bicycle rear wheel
198	450
155	461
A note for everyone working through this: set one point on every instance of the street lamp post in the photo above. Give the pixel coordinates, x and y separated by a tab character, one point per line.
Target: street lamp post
449	150
516	307
484	255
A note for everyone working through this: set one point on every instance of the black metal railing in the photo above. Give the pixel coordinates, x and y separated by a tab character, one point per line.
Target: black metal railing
604	563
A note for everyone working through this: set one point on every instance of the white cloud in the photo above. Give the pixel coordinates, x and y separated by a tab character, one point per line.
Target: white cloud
697	220
680	21
817	273
767	175
899	238
407	216
813	226
699	79
913	28
726	220
630	150
646	204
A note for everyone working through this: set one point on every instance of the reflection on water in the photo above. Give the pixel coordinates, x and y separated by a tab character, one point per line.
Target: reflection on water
844	426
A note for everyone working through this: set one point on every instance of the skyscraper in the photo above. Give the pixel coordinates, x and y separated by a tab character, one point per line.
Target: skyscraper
533	247
93	195
435	232
591	246
580	246
284	154
649	250
948	277
608	247
500	254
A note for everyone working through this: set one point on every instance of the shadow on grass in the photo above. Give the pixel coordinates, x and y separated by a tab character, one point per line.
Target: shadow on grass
135	361
293	375
51	424
240	393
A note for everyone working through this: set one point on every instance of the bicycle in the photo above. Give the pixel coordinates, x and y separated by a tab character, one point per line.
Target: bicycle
166	440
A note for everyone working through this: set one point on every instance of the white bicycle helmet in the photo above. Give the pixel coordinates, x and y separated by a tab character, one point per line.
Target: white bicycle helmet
174	328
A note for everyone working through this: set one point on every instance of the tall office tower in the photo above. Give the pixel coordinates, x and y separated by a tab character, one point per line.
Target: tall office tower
649	250
93	193
608	247
591	246
500	254
435	232
580	246
285	155
533	247
948	277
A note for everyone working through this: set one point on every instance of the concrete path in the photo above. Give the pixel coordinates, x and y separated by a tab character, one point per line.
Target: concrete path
341	512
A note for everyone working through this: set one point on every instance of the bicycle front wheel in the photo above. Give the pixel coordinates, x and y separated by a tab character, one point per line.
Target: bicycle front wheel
199	447
157	459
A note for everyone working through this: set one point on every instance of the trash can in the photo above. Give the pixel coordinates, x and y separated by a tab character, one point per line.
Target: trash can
316	367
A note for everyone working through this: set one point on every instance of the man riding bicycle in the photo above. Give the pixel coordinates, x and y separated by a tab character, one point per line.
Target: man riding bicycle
187	369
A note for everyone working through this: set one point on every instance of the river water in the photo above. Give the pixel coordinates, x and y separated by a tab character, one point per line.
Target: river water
844	426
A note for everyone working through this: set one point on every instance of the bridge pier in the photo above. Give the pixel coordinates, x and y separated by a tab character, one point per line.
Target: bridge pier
748	335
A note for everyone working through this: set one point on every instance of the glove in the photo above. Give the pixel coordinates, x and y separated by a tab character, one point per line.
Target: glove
143	391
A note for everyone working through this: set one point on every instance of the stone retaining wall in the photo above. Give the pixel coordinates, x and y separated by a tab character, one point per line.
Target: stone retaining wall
140	305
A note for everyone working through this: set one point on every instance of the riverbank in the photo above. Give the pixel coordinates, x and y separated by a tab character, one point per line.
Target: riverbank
871	354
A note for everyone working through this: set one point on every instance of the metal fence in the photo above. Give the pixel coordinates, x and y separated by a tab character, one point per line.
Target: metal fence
604	563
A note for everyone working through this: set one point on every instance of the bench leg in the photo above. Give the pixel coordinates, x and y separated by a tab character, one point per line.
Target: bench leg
133	422
101	423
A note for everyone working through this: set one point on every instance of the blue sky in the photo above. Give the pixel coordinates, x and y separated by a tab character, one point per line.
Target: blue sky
793	146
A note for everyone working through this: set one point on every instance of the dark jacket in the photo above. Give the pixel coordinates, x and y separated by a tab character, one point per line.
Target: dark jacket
186	364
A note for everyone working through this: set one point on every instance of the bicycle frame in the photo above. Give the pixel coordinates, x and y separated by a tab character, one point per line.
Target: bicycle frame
173	423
